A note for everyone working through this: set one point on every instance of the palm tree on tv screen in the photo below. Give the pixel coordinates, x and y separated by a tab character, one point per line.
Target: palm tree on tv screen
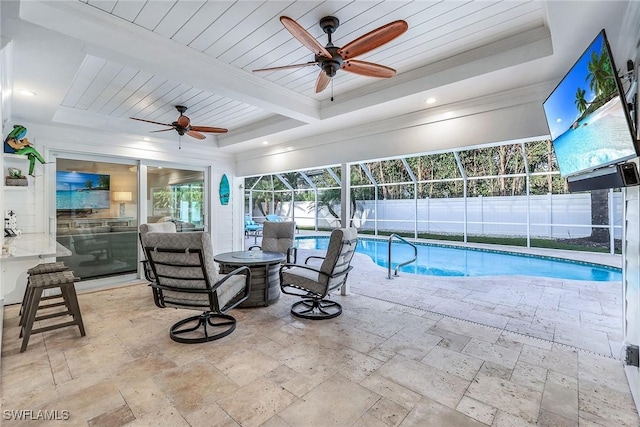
602	83
581	102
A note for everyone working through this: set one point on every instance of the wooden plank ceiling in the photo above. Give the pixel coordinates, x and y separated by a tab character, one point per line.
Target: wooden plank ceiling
249	35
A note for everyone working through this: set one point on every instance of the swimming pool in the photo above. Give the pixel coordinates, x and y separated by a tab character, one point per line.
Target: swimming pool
442	260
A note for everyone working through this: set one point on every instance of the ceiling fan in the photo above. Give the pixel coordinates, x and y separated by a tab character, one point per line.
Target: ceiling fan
331	58
183	125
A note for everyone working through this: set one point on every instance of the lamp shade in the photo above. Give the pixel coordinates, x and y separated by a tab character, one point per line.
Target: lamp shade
122	196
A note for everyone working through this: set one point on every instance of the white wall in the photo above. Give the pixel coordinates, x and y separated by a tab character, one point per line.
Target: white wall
35	205
631	277
631	246
472	123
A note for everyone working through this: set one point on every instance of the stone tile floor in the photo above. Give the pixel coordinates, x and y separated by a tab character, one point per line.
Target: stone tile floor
412	351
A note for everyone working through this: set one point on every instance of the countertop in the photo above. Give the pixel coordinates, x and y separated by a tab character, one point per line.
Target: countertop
32	245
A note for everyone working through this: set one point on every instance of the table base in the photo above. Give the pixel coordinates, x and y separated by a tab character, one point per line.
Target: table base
262	276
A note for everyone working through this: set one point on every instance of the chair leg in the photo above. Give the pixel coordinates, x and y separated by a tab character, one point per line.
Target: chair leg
74	307
316	309
23	307
30	316
201	323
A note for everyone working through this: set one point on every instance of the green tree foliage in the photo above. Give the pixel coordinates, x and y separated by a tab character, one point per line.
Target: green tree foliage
492	171
103	181
601	82
581	102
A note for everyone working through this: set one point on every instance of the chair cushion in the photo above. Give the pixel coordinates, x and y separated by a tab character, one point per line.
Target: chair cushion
230	289
344	255
158	227
278	236
226	292
195	240
304	278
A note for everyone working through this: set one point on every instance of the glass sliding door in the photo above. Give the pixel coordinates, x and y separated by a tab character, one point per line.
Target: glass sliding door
97	216
176	195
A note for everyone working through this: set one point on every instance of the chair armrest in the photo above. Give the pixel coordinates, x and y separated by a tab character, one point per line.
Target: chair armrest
148	273
303	266
292	255
317	270
306	261
235	272
213	287
233	302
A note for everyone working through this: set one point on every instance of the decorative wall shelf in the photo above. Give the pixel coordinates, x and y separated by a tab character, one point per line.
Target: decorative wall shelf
15	156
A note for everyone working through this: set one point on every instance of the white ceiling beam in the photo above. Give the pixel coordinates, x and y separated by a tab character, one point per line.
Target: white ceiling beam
261	129
508	52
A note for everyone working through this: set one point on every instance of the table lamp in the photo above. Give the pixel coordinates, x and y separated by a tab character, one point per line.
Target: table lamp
122	197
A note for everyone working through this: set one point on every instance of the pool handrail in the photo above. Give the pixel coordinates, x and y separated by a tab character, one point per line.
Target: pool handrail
415	255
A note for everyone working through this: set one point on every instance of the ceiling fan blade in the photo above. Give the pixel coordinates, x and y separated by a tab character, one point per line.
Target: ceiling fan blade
368	69
208	129
373	39
304	37
322	82
161	130
151	121
284	67
194	134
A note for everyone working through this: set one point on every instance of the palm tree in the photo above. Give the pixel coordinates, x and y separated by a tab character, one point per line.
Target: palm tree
331	199
601	82
103	181
600	75
581	103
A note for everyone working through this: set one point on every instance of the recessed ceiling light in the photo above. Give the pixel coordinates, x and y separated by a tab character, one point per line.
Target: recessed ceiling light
431	100
26	92
265	142
146	138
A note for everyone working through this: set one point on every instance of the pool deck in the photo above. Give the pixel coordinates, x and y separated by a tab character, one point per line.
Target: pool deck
582	315
412	351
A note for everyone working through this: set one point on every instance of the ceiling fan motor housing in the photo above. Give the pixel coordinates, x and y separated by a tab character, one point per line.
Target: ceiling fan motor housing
331	65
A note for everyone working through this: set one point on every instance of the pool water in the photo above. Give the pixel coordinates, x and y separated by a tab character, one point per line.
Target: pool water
441	260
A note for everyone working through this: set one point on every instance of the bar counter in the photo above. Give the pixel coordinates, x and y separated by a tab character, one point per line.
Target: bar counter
19	254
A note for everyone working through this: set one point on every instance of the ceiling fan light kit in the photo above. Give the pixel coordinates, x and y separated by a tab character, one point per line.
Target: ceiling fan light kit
331	58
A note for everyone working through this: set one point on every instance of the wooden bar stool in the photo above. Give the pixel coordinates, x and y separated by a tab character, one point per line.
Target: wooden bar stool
65	281
47	267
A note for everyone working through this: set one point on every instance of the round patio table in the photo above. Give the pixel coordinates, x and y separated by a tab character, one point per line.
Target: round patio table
265	274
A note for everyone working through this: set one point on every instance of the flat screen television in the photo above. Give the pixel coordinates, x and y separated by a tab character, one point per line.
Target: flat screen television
587	114
80	190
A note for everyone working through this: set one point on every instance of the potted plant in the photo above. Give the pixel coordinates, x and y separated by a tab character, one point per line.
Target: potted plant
15	178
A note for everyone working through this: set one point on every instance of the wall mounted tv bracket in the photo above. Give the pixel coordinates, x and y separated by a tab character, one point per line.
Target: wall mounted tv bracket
631	94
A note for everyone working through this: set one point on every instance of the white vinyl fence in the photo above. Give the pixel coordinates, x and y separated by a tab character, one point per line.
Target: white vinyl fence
550	216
